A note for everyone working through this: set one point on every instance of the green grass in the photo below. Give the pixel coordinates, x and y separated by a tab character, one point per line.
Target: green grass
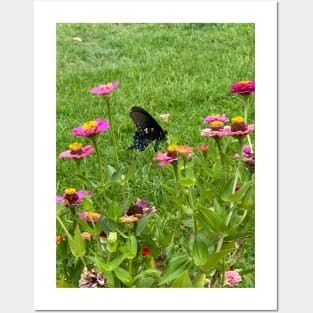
182	69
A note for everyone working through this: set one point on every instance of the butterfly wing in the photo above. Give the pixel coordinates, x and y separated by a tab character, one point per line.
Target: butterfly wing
148	129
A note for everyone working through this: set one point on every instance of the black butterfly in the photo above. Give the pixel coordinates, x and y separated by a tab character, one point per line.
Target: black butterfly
147	130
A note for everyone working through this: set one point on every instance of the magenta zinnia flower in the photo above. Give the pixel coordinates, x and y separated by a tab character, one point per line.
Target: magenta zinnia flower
91	128
232	278
88	216
77	151
246	151
243	87
72	198
222	118
104	89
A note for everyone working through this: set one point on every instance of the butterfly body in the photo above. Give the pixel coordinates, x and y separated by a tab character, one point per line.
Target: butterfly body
148	130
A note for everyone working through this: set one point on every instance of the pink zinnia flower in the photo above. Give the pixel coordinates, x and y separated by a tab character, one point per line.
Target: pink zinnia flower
212	118
243	87
246	151
166	158
77	151
232	278
91	128
88	216
239	128
164	117
104	89
71	197
224	131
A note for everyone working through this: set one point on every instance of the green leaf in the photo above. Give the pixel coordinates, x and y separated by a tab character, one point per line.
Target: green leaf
141	224
199	281
87	203
100	264
215	258
200	251
177	265
210	219
77	243
187	182
168	188
249	199
123	275
237	196
145	282
146	273
115	212
183	281
228	190
132	242
112	265
130	173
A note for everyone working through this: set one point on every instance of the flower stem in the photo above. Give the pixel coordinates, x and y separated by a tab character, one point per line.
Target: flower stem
175	166
130	267
112	131
190	201
246	109
79	170
94	140
217	140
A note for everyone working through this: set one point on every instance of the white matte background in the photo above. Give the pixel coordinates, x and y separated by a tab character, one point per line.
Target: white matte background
295	167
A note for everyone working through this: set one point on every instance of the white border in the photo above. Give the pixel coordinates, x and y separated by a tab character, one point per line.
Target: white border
46	15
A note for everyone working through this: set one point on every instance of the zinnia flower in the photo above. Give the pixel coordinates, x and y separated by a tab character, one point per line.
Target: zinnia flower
92	279
212	118
72	198
77	151
104	90
128	219
165	117
213	132
91	128
232	278
145	251
243	87
90	216
58	239
246	151
86	235
139	209
239	128
185	151
166	158
203	147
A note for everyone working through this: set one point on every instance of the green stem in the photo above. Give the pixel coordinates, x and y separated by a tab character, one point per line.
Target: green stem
190	201
83	261
175	166
130	267
246	109
79	170
112	131
94	140
64	228
217	140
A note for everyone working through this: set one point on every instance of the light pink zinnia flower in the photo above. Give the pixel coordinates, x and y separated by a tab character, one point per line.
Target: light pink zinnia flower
232	278
77	151
71	197
104	89
209	132
88	216
166	158
91	128
243	87
164	117
222	118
